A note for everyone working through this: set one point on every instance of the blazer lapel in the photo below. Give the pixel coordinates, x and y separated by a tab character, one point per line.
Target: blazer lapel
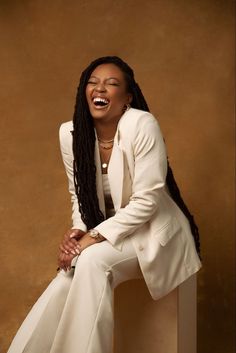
99	184
116	173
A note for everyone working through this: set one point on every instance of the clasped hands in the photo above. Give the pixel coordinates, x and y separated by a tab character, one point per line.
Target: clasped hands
73	243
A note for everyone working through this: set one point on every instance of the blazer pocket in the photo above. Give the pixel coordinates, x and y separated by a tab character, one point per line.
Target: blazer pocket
167	231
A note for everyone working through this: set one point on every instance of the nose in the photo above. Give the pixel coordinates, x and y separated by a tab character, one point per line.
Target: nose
100	87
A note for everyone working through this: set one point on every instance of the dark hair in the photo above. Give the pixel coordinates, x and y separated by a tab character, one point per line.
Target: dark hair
84	145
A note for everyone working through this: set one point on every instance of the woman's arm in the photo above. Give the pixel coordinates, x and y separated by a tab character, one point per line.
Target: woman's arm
150	170
76	239
69	247
65	139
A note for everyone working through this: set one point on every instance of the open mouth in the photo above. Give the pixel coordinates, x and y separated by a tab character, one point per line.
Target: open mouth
100	102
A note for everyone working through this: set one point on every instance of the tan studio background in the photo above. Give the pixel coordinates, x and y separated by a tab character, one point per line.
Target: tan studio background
183	56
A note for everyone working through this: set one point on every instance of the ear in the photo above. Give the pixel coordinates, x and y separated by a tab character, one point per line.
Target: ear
129	98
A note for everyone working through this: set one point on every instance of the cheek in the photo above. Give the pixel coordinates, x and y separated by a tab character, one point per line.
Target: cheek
121	97
87	94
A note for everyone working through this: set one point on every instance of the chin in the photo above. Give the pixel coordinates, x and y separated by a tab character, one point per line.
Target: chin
98	114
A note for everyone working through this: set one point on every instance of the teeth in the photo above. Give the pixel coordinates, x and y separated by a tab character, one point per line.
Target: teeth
99	99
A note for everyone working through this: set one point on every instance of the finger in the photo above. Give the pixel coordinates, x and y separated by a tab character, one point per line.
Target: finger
77	233
73	241
68	261
63	249
60	261
78	249
68	247
71	233
70	243
64	267
63	261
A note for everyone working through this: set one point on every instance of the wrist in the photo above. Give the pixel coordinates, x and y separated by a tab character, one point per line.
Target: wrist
93	233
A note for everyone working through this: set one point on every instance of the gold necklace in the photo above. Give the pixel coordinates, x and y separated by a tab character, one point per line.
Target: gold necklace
105	164
105	161
105	141
105	147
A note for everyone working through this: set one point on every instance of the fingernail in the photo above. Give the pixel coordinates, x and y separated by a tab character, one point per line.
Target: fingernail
73	252
78	251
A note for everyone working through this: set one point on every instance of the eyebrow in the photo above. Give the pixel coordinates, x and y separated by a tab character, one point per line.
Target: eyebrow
109	78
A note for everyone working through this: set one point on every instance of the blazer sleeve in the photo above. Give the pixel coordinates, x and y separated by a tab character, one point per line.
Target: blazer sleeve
65	139
150	169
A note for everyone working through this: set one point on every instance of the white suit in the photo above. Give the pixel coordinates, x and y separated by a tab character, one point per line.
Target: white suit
148	236
137	170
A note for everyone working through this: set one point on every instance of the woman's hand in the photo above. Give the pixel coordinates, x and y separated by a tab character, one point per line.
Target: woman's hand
64	261
70	241
69	248
74	242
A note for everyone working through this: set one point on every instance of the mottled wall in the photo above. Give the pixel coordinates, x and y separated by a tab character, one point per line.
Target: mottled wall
183	56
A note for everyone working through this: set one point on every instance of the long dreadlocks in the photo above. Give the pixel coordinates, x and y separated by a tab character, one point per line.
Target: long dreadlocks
84	145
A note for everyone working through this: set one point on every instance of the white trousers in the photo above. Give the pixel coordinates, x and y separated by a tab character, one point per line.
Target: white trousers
75	312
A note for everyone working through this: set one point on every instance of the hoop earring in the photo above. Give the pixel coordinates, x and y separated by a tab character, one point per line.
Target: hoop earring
126	107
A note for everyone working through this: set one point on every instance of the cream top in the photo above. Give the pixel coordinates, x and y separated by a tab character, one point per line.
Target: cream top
110	211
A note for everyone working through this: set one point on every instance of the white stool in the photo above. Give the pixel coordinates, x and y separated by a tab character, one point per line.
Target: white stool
144	325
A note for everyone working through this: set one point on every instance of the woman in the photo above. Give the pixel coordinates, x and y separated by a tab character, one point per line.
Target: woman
129	220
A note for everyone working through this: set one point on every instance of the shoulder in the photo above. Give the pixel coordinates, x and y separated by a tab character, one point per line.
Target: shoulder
65	129
65	136
136	121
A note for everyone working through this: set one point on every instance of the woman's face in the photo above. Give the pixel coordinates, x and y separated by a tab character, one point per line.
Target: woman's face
106	93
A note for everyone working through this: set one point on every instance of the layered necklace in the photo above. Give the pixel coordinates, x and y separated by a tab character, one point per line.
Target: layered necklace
105	145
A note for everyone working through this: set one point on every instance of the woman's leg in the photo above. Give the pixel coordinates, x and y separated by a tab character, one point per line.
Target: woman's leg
86	324
75	313
43	317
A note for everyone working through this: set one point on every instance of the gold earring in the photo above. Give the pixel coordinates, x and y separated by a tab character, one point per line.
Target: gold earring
126	107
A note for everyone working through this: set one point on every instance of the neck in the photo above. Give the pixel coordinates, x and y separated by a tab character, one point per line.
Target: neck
104	130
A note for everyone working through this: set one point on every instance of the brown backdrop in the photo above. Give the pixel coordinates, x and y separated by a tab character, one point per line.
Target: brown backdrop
182	53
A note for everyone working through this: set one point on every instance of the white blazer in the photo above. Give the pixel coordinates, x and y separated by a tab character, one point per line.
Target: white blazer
144	210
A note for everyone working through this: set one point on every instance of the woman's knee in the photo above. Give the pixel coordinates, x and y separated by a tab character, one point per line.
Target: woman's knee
91	258
62	281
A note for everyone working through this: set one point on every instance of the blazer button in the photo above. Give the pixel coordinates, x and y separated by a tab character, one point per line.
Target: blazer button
140	247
